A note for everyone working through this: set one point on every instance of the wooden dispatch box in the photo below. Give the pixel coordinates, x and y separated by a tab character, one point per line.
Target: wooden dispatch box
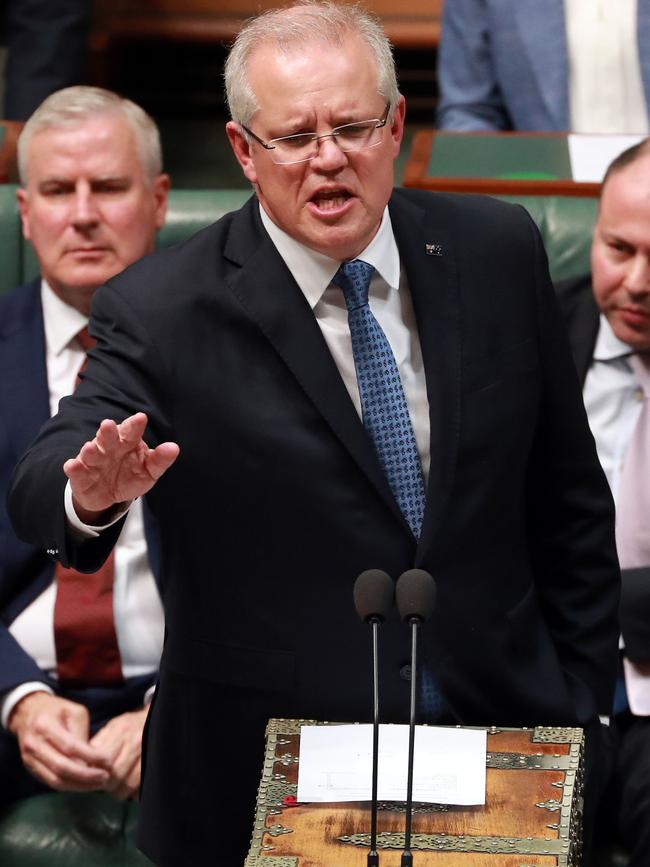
532	816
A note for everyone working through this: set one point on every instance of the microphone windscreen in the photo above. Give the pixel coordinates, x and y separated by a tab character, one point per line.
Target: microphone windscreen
374	594
415	592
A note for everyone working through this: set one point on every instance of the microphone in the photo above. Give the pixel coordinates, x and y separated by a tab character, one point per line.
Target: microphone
415	593
374	592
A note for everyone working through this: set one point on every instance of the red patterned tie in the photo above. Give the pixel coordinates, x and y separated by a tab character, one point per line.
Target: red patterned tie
87	652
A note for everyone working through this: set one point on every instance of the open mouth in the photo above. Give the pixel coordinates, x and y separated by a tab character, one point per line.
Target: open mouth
330	200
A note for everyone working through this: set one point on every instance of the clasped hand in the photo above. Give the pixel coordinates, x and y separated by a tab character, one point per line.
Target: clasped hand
55	746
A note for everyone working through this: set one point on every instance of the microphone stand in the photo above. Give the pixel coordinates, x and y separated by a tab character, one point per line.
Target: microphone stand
373	855
407	856
374	594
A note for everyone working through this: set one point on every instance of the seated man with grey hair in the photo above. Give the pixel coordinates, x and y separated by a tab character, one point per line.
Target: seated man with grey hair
78	654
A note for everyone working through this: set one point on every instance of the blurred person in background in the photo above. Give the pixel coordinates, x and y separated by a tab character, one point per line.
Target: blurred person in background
607	313
566	65
47	47
78	660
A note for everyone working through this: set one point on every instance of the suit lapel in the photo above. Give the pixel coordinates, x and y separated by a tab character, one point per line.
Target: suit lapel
433	284
24	397
583	331
581	317
542	30
272	298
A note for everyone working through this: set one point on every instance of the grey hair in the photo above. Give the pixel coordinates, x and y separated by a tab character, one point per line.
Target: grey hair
73	105
318	20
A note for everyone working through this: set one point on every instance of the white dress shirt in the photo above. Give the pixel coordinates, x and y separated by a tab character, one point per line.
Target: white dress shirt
613	400
137	608
390	302
606	92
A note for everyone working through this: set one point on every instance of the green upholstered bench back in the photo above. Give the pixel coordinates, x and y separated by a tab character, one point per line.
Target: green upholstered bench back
12	246
565	222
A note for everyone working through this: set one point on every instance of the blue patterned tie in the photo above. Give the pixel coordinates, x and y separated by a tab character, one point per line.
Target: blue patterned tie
383	403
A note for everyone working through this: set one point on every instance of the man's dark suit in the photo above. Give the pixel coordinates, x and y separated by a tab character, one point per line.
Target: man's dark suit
277	502
630	800
26	570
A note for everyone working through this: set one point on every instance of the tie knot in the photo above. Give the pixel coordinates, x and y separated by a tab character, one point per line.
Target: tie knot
353	279
84	339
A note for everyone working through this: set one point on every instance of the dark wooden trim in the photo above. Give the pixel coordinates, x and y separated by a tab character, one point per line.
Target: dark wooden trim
416	168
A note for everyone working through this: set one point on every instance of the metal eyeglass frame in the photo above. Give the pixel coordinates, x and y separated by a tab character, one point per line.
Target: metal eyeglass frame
380	123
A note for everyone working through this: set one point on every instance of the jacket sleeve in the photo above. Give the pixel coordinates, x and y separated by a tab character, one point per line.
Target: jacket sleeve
571	519
470	97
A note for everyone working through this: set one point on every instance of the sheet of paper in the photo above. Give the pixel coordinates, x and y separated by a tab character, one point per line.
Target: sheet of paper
336	764
591	154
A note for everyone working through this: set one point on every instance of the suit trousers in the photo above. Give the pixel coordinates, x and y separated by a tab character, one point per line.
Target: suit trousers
630	788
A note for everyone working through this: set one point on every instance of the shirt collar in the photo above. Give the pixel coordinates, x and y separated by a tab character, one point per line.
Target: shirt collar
313	271
61	321
608	346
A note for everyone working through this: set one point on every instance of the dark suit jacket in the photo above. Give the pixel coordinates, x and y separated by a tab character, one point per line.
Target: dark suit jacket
582	319
277	502
25	569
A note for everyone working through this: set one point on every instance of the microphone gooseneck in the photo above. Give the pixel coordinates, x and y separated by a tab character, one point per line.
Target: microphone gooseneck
415	594
374	593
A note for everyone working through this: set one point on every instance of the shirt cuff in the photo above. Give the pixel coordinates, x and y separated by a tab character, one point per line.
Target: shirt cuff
86	531
146	701
12	698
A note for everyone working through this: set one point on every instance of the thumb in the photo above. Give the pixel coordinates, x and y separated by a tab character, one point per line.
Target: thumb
76	720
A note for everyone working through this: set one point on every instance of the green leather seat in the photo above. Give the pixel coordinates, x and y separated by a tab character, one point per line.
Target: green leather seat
566	224
70	830
11	240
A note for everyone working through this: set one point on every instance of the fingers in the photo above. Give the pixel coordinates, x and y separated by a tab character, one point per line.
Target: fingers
116	467
123	737
132	429
63	765
160	459
130	787
52	736
111	441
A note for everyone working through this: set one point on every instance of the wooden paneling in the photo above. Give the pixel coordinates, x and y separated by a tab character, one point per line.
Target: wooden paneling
409	23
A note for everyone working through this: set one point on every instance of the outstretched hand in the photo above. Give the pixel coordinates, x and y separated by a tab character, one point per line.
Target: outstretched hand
116	467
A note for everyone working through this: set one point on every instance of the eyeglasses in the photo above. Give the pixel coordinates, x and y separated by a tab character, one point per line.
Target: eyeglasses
303	146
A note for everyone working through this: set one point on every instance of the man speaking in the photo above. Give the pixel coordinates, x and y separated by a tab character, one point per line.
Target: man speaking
336	377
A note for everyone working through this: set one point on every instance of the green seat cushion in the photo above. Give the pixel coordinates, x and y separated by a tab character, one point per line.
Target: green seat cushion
70	830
